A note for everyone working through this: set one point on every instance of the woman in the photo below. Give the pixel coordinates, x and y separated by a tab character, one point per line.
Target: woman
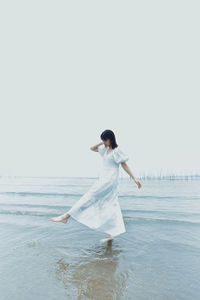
99	208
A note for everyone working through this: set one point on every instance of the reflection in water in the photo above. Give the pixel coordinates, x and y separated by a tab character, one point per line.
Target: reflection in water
94	273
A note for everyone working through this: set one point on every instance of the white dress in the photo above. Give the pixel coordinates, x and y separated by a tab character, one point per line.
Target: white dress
99	208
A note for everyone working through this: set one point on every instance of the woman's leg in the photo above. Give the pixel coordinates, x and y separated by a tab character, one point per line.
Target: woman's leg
109	238
62	218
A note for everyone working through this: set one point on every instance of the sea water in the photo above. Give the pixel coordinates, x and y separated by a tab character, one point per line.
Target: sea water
158	257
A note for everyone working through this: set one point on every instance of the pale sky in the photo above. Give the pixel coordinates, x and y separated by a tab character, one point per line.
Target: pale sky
71	69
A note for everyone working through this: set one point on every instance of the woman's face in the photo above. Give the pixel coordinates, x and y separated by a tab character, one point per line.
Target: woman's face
106	142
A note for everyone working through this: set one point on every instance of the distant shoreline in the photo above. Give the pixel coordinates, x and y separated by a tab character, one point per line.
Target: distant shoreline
141	177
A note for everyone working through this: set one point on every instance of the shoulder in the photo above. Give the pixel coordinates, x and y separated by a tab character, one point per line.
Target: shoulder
101	146
101	149
119	155
117	149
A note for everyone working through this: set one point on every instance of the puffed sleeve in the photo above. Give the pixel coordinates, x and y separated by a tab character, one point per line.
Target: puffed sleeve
119	156
102	149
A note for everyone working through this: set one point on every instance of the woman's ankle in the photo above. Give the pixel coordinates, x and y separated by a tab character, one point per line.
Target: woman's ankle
66	215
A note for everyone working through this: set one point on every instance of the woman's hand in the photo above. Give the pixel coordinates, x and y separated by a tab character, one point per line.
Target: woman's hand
138	183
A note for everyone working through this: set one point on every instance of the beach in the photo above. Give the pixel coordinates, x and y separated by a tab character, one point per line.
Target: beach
158	257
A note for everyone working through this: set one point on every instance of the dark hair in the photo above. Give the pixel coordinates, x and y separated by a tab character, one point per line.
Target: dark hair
109	134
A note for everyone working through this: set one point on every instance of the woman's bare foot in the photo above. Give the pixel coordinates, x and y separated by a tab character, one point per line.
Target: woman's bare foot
61	218
110	237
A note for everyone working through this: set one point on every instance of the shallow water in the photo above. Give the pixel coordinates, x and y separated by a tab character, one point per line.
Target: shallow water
157	258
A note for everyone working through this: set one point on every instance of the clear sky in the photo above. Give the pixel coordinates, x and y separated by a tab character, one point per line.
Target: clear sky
71	69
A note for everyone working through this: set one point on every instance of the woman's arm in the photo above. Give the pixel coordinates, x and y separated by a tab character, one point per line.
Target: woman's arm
95	147
127	169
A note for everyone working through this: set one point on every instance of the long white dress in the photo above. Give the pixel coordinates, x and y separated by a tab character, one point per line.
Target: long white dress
99	207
